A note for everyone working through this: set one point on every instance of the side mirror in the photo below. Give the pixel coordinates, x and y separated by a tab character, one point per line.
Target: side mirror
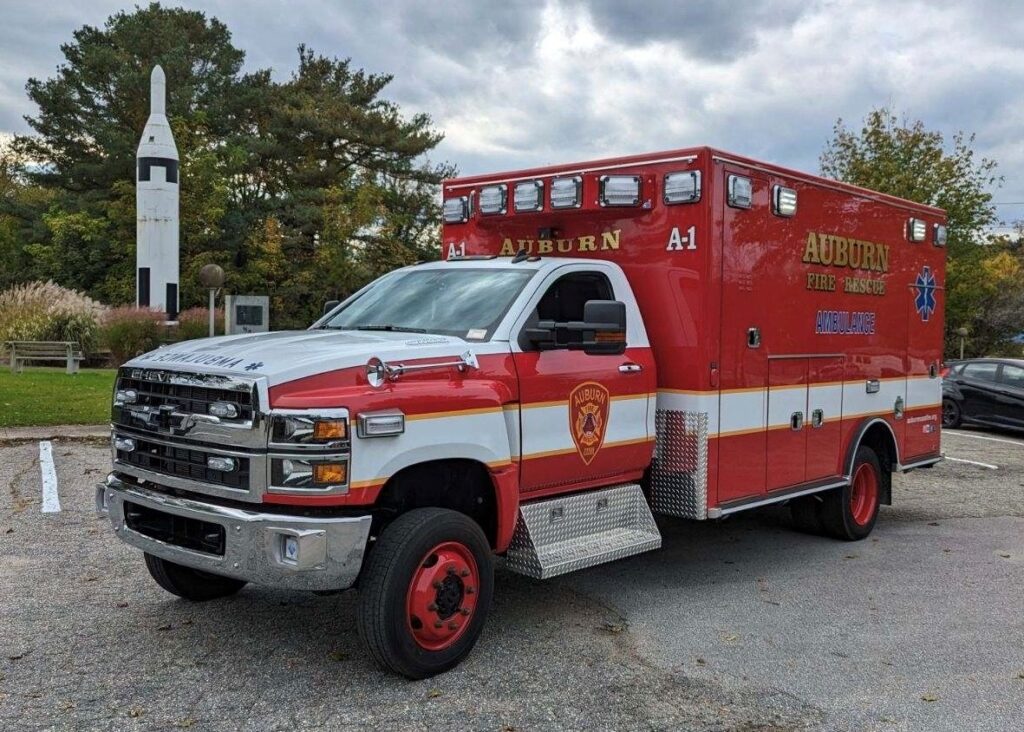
330	305
601	332
604	327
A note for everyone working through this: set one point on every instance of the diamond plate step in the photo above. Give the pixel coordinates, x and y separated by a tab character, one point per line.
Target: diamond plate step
560	535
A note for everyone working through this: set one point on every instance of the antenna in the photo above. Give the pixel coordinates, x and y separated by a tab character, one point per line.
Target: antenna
521	256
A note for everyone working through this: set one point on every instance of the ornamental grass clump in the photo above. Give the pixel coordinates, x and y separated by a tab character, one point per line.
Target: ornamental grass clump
195	323
130	331
45	311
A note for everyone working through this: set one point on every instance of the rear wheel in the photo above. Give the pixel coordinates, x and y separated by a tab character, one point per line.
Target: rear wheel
951	414
192	584
850	512
425	592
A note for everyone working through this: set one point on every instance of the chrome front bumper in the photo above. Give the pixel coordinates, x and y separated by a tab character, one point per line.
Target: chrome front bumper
330	550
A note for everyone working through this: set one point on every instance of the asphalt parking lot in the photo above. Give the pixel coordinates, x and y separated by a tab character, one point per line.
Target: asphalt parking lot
740	625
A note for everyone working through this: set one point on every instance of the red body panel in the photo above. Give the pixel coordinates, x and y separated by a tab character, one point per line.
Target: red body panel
749	268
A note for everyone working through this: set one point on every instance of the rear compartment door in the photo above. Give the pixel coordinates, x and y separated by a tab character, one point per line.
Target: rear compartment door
787	416
824	416
746	337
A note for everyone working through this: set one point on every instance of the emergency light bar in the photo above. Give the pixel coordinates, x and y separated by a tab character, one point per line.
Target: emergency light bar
492	199
682	187
739	191
567	192
783	201
529	196
916	229
620	190
456	210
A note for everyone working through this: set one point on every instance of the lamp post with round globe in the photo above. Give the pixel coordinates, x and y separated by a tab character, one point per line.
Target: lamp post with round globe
211	276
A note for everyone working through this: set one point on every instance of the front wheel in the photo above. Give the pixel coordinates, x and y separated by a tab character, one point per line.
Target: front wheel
191	584
850	512
425	592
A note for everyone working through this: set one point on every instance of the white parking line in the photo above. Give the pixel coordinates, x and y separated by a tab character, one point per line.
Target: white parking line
957	433
51	500
972	462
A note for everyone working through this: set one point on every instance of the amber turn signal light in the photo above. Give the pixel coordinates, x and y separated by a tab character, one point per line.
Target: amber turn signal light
329	473
330	429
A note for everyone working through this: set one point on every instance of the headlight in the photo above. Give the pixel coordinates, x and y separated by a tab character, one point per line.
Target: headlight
309	430
125	396
294	472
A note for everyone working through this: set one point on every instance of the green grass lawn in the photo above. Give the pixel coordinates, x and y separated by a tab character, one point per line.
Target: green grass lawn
48	396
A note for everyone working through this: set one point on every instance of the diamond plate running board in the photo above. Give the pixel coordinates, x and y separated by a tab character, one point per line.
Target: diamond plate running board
563	534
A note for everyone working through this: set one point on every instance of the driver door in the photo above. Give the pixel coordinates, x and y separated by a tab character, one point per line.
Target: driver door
584	418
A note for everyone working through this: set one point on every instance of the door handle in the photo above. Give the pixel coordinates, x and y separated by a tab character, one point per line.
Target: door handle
817	418
796	421
630	368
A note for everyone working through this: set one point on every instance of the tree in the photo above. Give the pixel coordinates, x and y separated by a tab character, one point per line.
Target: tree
903	158
305	188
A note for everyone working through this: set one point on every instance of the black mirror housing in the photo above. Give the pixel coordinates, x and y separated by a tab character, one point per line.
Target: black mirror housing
604	327
601	332
330	305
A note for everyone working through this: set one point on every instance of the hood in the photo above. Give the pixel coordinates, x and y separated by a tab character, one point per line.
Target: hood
284	356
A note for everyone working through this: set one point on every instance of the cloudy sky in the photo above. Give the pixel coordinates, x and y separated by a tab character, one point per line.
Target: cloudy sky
515	83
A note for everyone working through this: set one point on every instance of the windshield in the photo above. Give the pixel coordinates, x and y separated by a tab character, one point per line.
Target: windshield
468	303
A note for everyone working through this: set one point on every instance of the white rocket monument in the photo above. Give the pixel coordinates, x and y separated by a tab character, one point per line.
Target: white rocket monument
156	207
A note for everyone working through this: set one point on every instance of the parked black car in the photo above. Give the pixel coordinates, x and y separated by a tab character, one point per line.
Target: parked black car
984	391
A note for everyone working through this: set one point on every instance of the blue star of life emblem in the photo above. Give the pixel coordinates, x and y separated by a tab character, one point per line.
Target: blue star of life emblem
259	364
925	287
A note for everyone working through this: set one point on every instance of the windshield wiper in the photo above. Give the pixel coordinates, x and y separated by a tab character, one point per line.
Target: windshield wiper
396	328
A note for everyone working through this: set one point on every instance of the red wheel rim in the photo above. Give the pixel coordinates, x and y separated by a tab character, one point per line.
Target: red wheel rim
864	494
442	596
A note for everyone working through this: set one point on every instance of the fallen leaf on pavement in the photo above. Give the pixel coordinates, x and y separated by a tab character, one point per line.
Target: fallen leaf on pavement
929	697
433	693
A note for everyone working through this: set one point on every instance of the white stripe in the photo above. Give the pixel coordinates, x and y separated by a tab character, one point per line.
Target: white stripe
547	428
923	392
51	500
957	433
972	462
756	409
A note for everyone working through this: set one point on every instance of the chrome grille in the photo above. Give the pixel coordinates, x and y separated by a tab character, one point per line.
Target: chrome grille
184	393
184	462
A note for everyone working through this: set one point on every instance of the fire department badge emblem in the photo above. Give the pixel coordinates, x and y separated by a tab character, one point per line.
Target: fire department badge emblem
588	418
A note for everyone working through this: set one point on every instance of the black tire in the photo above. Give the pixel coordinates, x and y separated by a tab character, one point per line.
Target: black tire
952	415
840	517
189	583
805	513
401	556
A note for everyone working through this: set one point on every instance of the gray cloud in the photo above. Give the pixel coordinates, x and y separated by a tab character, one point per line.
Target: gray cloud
713	29
516	83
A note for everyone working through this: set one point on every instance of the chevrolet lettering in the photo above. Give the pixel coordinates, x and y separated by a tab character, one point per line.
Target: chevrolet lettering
689	333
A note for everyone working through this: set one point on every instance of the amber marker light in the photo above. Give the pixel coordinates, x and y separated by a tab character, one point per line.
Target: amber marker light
329	473
330	429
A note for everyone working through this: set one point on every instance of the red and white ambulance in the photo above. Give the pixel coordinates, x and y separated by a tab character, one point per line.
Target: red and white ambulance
689	333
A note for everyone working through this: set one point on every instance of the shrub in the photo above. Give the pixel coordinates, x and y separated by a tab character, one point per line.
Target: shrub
130	331
195	323
45	311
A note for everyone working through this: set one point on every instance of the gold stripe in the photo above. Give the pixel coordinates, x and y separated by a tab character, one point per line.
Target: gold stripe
570	450
453	413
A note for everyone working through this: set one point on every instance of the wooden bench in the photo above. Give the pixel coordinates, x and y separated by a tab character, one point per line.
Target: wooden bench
66	351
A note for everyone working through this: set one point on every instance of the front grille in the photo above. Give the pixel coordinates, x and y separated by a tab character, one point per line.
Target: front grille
187	393
184	462
188	533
